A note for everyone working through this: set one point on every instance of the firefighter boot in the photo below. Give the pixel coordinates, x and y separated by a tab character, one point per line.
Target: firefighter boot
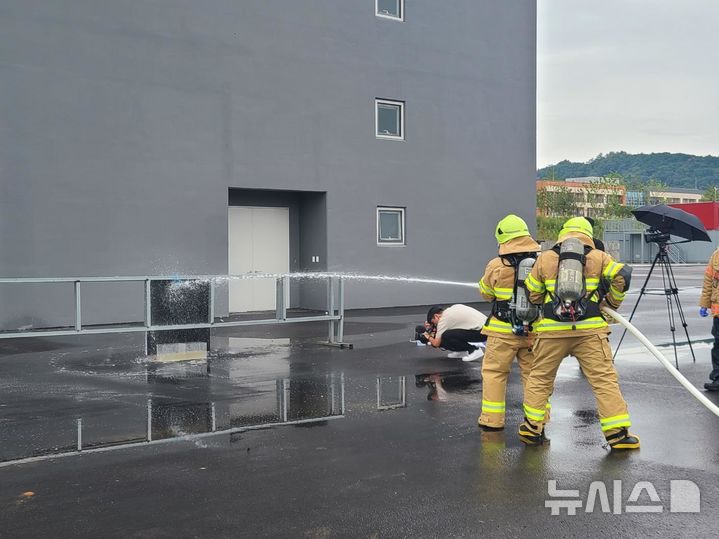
530	434
487	428
622	440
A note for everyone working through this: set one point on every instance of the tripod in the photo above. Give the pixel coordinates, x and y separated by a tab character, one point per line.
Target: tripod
671	292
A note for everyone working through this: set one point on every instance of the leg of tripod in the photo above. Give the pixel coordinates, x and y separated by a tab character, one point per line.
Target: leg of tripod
675	293
670	308
641	293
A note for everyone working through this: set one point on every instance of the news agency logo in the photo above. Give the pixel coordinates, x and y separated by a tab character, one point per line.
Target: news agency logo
684	497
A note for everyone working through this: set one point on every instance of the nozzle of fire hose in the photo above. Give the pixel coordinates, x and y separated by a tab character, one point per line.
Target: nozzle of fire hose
713	408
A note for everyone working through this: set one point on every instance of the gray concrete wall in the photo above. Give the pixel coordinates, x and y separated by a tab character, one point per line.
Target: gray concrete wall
123	124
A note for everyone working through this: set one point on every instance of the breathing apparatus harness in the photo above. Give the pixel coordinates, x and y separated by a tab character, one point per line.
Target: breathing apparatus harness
517	311
570	302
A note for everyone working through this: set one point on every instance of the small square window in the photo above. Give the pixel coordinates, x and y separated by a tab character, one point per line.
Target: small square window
389	119
390	226
390	9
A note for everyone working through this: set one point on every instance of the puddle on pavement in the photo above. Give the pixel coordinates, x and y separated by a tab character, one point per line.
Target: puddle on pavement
443	386
121	399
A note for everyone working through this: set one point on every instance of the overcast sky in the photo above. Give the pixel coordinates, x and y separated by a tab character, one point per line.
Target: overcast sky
633	75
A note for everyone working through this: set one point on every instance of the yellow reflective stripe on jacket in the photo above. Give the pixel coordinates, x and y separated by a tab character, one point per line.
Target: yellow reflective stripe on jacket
551	284
492	407
499	326
612	269
485	289
533	285
614	422
533	413
503	293
616	294
547	324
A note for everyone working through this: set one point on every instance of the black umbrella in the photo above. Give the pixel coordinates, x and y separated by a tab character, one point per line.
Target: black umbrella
672	221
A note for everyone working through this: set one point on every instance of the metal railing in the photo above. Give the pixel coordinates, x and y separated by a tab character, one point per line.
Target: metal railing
676	254
334	314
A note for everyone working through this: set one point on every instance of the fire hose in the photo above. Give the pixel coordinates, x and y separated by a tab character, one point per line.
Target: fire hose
663	360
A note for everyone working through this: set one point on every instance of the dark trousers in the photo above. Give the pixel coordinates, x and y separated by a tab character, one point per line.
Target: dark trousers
457	340
715	351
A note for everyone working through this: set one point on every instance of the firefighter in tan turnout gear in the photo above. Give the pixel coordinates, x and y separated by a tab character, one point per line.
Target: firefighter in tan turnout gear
570	281
709	303
507	336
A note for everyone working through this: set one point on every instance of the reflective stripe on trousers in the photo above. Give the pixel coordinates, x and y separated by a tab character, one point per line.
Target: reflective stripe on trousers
496	366
595	358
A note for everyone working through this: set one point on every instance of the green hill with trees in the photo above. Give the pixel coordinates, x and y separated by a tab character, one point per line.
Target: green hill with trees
670	169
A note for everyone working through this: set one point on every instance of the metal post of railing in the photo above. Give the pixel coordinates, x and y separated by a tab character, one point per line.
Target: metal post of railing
148	305
280	305
148	311
331	307
79	434
211	308
78	307
341	311
403	390
286	297
214	417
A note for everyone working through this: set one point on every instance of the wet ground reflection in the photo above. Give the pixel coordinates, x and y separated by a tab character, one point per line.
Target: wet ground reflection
442	385
81	400
191	400
282	401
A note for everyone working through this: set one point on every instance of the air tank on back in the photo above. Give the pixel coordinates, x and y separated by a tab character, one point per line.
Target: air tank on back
525	311
570	277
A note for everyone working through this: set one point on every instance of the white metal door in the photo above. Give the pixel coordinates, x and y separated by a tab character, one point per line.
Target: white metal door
259	241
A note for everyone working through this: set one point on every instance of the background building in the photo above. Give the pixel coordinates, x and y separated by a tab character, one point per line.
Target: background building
164	137
672	195
586	197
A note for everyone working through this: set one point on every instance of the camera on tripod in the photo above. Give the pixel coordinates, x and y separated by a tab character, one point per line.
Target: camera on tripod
654	235
664	222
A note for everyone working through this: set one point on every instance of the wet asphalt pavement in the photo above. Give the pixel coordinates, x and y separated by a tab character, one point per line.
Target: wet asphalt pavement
275	435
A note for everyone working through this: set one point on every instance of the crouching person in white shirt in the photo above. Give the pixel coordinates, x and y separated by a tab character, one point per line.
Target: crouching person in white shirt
458	330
